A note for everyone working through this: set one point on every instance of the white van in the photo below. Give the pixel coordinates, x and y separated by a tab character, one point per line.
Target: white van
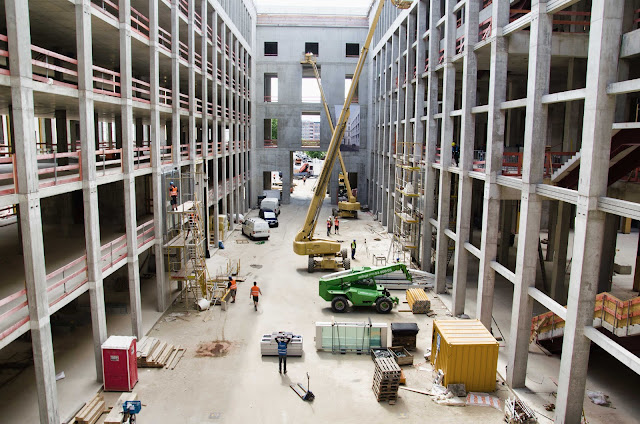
255	228
272	204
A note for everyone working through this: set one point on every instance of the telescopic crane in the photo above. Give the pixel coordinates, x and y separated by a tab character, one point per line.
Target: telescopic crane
327	254
348	209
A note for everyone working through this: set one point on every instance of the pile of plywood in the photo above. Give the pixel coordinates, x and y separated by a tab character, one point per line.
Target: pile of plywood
116	414
91	411
153	353
418	301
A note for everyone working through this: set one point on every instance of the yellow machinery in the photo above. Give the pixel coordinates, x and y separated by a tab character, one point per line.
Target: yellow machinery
326	254
348	209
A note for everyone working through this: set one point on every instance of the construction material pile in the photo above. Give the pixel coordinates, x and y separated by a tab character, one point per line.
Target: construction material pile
517	412
153	353
386	380
418	301
91	411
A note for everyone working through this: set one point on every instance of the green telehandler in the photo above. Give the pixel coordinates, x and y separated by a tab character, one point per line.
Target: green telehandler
359	287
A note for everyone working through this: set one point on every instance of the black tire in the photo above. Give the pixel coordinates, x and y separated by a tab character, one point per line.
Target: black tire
344	253
384	305
311	264
339	304
346	263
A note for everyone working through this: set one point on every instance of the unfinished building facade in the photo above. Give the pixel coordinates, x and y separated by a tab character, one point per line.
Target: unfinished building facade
494	122
104	103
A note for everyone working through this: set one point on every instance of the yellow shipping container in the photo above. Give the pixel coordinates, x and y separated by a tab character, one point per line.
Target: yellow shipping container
466	352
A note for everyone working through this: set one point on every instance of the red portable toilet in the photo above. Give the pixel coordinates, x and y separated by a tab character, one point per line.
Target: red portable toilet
119	365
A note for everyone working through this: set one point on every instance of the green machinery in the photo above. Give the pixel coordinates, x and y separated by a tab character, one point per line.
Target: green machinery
359	287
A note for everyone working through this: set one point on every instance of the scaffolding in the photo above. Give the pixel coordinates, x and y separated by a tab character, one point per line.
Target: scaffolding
407	202
185	248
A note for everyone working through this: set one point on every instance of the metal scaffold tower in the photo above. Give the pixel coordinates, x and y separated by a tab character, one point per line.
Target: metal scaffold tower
185	251
407	203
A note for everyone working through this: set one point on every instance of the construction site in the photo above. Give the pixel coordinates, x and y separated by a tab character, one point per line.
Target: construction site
319	211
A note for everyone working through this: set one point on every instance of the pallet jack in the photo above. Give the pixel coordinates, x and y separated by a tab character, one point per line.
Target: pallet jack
305	394
129	410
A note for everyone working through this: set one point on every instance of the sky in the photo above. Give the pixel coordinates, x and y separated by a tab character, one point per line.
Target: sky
325	7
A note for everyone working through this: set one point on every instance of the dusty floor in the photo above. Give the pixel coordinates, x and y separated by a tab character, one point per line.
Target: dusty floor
241	386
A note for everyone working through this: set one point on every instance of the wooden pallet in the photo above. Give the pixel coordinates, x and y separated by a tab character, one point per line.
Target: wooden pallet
153	353
91	411
388	367
418	301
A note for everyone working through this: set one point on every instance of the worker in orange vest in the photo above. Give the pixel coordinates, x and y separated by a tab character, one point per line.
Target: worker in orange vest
173	192
336	225
233	287
255	292
329	223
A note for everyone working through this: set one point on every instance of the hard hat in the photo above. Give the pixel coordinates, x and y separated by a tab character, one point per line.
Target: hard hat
171	183
230	278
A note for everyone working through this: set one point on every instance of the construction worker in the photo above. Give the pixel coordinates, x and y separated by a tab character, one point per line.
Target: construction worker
233	287
336	225
283	340
353	249
255	292
173	192
193	218
329	227
455	153
304	179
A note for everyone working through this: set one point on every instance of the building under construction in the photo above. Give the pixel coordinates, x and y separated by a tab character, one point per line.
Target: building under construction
492	143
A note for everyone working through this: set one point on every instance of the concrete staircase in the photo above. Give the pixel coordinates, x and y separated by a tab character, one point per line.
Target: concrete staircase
566	168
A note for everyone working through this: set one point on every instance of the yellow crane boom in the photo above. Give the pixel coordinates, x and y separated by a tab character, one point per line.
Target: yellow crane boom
304	243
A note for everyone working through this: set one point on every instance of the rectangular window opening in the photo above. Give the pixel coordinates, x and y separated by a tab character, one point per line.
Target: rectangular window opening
270	48
271	88
311	48
270	133
353	50
310	129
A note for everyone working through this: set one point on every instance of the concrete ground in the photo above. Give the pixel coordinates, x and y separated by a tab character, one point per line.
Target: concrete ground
245	387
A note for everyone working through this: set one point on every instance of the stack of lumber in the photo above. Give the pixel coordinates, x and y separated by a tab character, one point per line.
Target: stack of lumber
116	414
91	411
418	301
386	380
153	353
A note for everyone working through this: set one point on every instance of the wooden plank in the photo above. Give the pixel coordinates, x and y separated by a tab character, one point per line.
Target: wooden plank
171	358
95	413
115	416
82	414
178	357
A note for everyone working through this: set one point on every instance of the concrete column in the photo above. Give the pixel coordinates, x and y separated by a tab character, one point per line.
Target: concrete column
493	165
551	229
225	122
604	42
204	13
214	132
432	134
129	180
446	138
506	227
175	84
62	135
392	129
612	224
19	35
139	132
535	137
89	184
238	137
636	275
156	141
558	289
191	131
467	140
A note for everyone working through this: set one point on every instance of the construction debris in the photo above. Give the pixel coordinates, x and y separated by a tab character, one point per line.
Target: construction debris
599	398
517	412
484	399
214	349
418	301
386	380
92	410
152	353
116	414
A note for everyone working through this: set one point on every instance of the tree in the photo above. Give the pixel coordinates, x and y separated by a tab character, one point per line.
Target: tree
274	129
316	155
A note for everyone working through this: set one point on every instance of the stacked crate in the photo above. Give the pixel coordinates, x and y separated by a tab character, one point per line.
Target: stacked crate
386	379
418	301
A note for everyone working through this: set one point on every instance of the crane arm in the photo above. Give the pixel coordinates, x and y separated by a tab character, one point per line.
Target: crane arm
308	59
306	233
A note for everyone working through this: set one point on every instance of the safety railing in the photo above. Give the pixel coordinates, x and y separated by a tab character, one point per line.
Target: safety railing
636	19
633	177
140	90
271	143
51	67
184	101
183	52
198	20
197	59
484	29
141	157
165	154
460	45
107	7
310	143
106	81
183	8
209	33
58	168
65	281
164	39
109	160
219	42
4	54
185	152
8	177
165	96
139	23
199	149
210	69
219	111
310	99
